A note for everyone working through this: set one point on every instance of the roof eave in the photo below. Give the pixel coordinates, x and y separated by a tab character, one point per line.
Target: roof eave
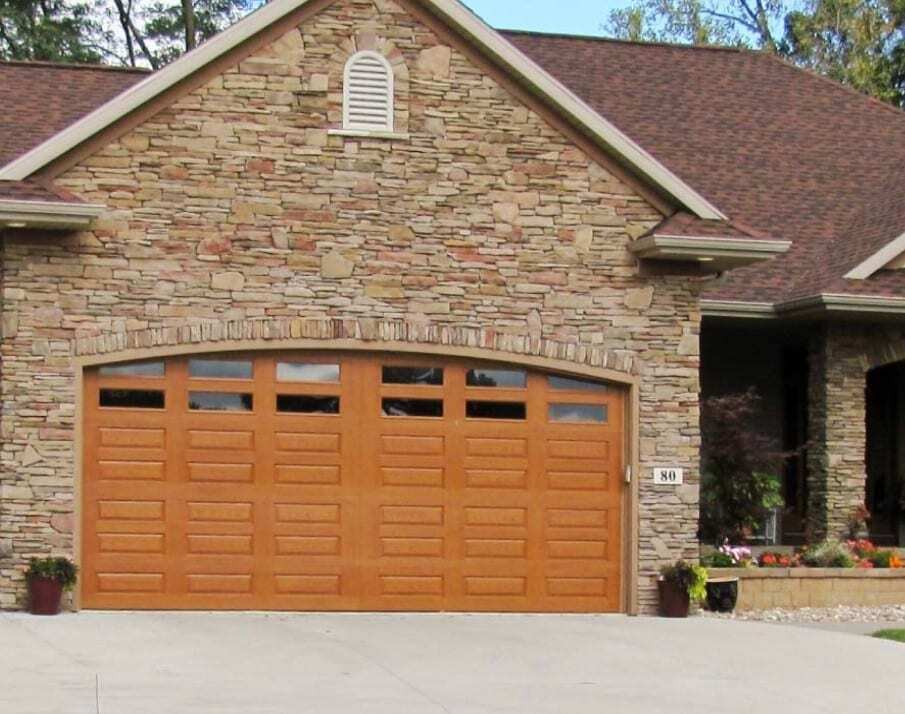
454	13
837	303
822	305
718	254
738	309
48	215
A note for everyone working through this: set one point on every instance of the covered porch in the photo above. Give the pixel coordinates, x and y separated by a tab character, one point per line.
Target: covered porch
833	401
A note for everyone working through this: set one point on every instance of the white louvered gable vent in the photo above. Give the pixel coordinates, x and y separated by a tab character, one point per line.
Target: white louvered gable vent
368	93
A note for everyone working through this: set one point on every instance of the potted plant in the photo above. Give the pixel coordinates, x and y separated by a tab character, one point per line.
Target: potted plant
47	579
681	584
722	591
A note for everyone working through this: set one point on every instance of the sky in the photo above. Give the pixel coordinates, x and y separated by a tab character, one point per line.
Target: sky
579	17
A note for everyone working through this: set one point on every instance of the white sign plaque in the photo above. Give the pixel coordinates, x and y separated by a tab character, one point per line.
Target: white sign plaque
669	477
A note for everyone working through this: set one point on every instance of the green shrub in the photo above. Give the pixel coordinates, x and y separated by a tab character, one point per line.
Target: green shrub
829	554
718	560
60	569
885	559
687	576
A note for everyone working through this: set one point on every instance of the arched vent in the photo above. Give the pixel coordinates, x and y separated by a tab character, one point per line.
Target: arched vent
368	93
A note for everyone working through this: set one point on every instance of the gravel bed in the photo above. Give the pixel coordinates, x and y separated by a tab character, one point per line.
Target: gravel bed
884	613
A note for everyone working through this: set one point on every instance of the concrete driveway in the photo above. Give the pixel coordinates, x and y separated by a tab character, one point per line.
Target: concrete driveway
461	664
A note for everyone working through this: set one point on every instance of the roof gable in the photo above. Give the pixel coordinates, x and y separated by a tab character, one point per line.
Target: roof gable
456	16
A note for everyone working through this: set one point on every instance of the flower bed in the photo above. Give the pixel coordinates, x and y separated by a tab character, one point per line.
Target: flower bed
765	588
854	573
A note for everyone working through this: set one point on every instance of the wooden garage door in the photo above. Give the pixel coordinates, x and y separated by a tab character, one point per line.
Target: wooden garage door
294	481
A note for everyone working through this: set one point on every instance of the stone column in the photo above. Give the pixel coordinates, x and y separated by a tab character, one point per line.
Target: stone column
837	430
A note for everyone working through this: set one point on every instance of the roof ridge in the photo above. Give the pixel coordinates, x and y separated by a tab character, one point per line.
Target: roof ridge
640	43
74	65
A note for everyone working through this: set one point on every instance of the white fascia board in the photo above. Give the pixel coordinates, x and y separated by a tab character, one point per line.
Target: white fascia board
454	12
48	214
882	257
823	304
691	248
835	303
737	308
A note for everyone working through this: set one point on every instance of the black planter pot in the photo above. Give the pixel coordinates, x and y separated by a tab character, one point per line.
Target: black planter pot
722	594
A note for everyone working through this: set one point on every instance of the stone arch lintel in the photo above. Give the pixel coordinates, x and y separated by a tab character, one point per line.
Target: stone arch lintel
362	334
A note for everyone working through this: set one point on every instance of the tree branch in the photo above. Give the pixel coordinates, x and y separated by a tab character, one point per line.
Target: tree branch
124	23
731	18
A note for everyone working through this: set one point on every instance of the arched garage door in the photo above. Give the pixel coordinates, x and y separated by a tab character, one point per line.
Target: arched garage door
300	481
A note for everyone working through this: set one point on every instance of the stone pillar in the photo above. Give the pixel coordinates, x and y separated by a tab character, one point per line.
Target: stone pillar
837	430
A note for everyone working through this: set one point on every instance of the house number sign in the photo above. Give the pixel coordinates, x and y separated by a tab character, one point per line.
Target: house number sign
669	477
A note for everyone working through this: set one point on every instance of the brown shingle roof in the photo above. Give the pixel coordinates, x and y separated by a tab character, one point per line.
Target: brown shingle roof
789	153
685	225
39	99
31	190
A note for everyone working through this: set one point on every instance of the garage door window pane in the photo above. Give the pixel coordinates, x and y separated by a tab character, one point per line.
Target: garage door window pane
578	412
506	378
581	385
220	402
132	398
413	375
220	369
301	372
413	407
307	404
134	369
496	410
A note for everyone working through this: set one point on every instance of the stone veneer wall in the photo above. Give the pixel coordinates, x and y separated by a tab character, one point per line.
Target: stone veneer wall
235	211
840	357
766	588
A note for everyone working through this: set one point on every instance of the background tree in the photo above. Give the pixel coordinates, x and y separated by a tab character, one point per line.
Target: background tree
155	32
52	30
127	32
858	42
747	23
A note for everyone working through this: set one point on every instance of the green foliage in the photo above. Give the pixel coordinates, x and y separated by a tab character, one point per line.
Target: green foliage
718	560
128	32
884	559
737	462
736	23
60	569
51	30
687	576
829	554
858	42
164	24
894	635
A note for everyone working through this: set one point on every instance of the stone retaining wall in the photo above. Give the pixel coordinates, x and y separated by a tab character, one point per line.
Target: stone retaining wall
765	588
